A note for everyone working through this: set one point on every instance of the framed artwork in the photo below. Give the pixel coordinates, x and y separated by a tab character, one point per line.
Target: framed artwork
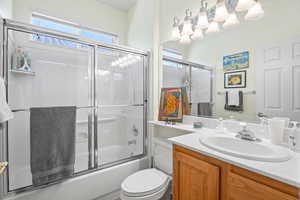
170	104
236	61
235	79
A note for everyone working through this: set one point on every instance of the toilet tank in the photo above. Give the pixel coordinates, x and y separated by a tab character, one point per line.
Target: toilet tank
162	155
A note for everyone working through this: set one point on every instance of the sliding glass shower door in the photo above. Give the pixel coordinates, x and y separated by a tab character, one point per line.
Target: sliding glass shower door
56	73
120	102
107	85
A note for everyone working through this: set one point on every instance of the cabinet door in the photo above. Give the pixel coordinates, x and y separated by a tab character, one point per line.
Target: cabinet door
241	188
194	179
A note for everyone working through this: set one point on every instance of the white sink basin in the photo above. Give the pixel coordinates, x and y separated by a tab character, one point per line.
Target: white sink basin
259	151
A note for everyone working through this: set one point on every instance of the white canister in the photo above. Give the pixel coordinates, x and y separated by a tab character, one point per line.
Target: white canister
276	130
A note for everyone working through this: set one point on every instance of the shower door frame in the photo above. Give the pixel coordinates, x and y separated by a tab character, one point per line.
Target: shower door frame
6	25
199	66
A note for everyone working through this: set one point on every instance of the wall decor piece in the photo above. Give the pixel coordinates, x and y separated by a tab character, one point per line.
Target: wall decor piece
236	61
235	79
170	104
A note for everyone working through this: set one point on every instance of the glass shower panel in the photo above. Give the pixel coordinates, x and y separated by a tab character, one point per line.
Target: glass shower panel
120	102
50	75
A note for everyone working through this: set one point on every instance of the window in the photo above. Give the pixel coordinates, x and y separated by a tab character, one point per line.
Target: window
172	54
70	28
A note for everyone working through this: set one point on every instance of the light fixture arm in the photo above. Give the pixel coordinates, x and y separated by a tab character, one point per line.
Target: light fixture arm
204	5
176	22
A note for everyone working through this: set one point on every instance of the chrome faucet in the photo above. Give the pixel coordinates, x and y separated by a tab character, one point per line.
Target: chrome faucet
247	134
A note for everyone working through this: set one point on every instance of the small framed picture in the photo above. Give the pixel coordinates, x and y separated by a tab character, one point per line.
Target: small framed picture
235	79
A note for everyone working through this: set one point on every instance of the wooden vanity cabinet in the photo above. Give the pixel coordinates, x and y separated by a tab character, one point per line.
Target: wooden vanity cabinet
199	177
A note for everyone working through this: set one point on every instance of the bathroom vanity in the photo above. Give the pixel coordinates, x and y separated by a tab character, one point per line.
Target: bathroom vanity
204	173
200	177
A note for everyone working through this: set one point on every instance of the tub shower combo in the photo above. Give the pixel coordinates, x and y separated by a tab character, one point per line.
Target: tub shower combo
91	95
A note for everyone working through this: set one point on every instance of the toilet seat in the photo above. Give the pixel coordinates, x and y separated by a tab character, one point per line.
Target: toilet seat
145	183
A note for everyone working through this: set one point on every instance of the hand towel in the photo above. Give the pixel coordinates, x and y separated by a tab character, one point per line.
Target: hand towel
233	98
236	108
205	109
5	112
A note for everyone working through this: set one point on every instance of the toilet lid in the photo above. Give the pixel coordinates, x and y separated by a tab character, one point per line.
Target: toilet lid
144	182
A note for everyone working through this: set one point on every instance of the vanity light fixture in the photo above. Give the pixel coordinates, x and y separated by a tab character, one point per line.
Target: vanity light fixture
176	32
187	24
221	13
198	34
244	5
209	20
256	12
185	39
213	27
202	16
231	21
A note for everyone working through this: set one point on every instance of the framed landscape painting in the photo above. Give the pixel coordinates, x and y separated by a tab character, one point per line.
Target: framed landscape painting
236	61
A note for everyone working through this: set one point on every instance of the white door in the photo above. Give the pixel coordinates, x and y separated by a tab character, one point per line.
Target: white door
278	80
294	54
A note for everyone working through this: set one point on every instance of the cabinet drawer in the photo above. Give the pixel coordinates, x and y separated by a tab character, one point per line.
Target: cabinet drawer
241	188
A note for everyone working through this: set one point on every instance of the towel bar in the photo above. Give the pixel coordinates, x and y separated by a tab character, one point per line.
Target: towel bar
24	110
85	107
245	93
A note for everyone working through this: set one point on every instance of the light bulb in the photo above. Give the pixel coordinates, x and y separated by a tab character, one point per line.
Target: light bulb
187	28
244	5
231	21
198	34
213	27
255	12
185	39
221	12
175	33
202	20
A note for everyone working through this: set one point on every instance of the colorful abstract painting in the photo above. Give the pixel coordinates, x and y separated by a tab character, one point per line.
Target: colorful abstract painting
170	104
236	61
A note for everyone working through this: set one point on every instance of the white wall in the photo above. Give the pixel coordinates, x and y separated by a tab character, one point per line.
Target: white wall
143	33
87	13
6	7
279	24
140	24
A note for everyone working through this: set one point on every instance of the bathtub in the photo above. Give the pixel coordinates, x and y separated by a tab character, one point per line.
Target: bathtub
86	187
91	186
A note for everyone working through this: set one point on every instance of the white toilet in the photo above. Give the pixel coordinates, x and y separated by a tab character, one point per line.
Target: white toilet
151	184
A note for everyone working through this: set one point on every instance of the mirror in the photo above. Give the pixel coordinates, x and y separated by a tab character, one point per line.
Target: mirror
255	64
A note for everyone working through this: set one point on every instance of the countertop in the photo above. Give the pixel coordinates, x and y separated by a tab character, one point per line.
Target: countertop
287	172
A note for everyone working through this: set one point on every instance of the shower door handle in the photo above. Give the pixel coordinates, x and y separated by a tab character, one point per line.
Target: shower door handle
90	140
96	139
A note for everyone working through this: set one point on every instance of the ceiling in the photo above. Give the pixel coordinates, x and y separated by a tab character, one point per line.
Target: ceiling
119	4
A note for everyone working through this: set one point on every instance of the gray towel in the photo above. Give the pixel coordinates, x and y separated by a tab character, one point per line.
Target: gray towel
204	109
239	108
52	143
